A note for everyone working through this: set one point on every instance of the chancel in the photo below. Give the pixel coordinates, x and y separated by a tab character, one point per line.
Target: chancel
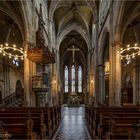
70	69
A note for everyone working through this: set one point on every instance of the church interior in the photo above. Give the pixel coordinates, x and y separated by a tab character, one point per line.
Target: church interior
69	69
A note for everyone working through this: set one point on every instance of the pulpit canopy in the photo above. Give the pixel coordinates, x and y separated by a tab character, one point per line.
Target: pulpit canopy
40	53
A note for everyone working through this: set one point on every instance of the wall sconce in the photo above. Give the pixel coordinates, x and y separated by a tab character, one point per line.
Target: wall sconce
106	67
91	81
54	82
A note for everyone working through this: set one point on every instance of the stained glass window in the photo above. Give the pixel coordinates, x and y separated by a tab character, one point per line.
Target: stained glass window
66	79
80	79
73	78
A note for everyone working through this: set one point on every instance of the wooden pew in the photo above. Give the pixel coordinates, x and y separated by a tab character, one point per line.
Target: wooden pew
22	125
41	122
35	112
112	122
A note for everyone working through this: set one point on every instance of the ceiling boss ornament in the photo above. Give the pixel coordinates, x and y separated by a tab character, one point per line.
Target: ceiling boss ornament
40	53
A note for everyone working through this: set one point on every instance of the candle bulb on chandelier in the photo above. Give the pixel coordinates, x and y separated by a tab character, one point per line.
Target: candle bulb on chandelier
9	55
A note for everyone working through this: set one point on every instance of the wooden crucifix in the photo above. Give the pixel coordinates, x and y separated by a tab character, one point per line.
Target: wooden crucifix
73	52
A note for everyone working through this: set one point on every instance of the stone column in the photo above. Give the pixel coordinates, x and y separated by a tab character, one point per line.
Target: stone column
135	79
60	87
91	88
88	96
92	80
101	97
29	70
118	75
49	71
96	83
115	76
85	88
136	86
137	32
2	76
32	69
54	88
27	94
57	78
136	70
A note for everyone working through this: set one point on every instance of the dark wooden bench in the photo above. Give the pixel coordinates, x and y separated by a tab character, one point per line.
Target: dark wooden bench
112	122
30	122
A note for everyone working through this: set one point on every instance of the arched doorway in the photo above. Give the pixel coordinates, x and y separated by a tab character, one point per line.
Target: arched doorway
104	71
131	65
0	93
18	89
12	65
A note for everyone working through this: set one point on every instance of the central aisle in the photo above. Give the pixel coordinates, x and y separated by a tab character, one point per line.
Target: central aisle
73	125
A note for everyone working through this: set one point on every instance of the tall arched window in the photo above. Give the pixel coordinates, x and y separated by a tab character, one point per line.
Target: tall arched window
66	79
80	79
73	78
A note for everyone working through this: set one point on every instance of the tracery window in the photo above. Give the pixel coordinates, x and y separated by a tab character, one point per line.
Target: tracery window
66	79
80	79
73	78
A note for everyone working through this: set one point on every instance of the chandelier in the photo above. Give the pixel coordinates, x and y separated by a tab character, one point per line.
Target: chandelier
129	52
40	53
12	51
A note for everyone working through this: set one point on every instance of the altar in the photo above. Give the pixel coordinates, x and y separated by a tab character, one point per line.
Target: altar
73	100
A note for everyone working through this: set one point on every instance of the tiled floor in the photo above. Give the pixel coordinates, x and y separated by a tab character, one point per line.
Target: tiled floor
73	125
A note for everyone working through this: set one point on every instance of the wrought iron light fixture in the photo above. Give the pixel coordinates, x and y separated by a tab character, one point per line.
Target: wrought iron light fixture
12	51
129	52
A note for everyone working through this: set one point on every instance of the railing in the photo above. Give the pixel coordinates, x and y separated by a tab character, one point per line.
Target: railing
10	99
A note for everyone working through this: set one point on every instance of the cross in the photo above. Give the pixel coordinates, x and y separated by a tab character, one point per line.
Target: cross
73	52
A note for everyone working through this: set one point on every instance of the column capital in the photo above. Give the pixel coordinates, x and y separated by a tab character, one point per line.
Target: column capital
116	43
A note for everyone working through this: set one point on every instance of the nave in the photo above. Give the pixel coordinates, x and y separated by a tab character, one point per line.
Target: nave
73	52
73	125
70	123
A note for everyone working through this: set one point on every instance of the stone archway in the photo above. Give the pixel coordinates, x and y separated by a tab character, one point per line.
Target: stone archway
104	70
131	67
18	89
79	58
1	92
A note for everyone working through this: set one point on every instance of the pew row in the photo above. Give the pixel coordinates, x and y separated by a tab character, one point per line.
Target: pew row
29	122
113	122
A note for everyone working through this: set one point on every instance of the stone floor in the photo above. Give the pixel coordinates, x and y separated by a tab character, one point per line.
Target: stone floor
73	125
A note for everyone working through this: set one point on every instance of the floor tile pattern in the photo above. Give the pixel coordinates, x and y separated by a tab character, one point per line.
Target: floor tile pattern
73	125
